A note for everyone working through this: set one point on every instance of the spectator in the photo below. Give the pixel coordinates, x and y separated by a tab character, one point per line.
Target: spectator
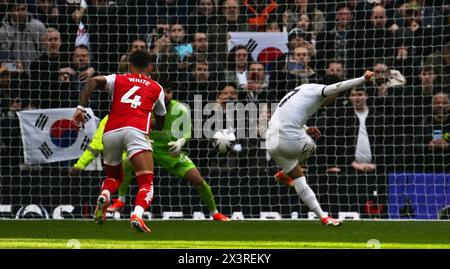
429	81
432	137
166	58
258	12
47	12
200	52
77	74
12	149
45	72
387	80
178	39
161	30
335	68
332	44
304	7
228	94
415	40
295	71
441	61
428	15
230	21
296	37
20	36
169	9
357	132
107	41
255	90
137	44
238	60
202	15
362	54
71	13
197	82
273	26
305	26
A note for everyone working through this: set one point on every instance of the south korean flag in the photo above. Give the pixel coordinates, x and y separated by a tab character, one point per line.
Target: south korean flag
49	135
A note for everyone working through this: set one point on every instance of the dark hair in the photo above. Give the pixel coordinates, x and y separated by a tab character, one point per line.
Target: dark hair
386	62
231	58
138	39
332	61
141	59
15	3
427	68
81	47
251	63
329	80
343	5
231	84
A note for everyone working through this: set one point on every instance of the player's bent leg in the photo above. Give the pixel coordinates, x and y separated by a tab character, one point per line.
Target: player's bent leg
143	165
119	203
204	190
110	185
100	209
309	197
284	179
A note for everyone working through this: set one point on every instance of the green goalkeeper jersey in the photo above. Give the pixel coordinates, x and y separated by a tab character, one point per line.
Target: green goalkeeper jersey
177	124
177	118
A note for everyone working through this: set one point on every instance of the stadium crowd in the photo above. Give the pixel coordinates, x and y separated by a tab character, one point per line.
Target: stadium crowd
401	123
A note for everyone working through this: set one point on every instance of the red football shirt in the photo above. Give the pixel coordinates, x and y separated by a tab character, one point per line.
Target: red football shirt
135	97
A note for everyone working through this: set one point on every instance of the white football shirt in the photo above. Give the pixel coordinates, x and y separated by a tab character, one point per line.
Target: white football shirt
295	109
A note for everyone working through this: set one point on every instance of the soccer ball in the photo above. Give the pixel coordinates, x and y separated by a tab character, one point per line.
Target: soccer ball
224	140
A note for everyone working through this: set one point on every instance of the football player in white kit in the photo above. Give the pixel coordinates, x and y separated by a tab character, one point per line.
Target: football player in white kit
288	139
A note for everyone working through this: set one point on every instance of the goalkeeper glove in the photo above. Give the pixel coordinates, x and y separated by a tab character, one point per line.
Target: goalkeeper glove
175	146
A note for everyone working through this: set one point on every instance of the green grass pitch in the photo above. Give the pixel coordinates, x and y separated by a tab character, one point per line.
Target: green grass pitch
231	235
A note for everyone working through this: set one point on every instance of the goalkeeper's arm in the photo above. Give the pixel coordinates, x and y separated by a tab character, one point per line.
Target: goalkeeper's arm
95	147
185	120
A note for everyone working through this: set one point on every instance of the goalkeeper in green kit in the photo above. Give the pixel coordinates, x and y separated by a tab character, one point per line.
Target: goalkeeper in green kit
166	153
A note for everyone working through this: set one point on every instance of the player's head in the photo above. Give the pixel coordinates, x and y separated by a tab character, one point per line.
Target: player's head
168	91
140	61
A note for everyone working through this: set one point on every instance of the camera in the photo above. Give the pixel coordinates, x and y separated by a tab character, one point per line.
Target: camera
161	32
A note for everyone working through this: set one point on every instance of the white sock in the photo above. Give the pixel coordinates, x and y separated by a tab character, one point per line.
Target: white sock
212	213
138	211
308	197
122	199
106	193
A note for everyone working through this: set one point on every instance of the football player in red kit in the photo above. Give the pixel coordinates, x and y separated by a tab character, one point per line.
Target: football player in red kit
135	98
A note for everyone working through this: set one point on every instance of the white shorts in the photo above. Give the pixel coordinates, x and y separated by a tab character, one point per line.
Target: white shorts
129	140
287	153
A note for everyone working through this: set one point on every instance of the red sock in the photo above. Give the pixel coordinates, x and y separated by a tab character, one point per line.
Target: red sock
110	184
144	196
114	178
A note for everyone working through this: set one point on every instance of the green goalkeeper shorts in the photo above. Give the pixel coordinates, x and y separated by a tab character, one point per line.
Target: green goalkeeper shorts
177	166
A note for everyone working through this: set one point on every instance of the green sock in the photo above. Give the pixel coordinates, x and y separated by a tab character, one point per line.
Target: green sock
128	176
204	190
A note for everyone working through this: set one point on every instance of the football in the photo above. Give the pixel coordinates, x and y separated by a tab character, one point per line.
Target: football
224	140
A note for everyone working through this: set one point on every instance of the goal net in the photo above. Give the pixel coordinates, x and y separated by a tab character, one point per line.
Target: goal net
384	147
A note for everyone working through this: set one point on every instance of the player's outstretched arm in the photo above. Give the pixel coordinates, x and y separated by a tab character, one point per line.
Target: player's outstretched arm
91	86
347	84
